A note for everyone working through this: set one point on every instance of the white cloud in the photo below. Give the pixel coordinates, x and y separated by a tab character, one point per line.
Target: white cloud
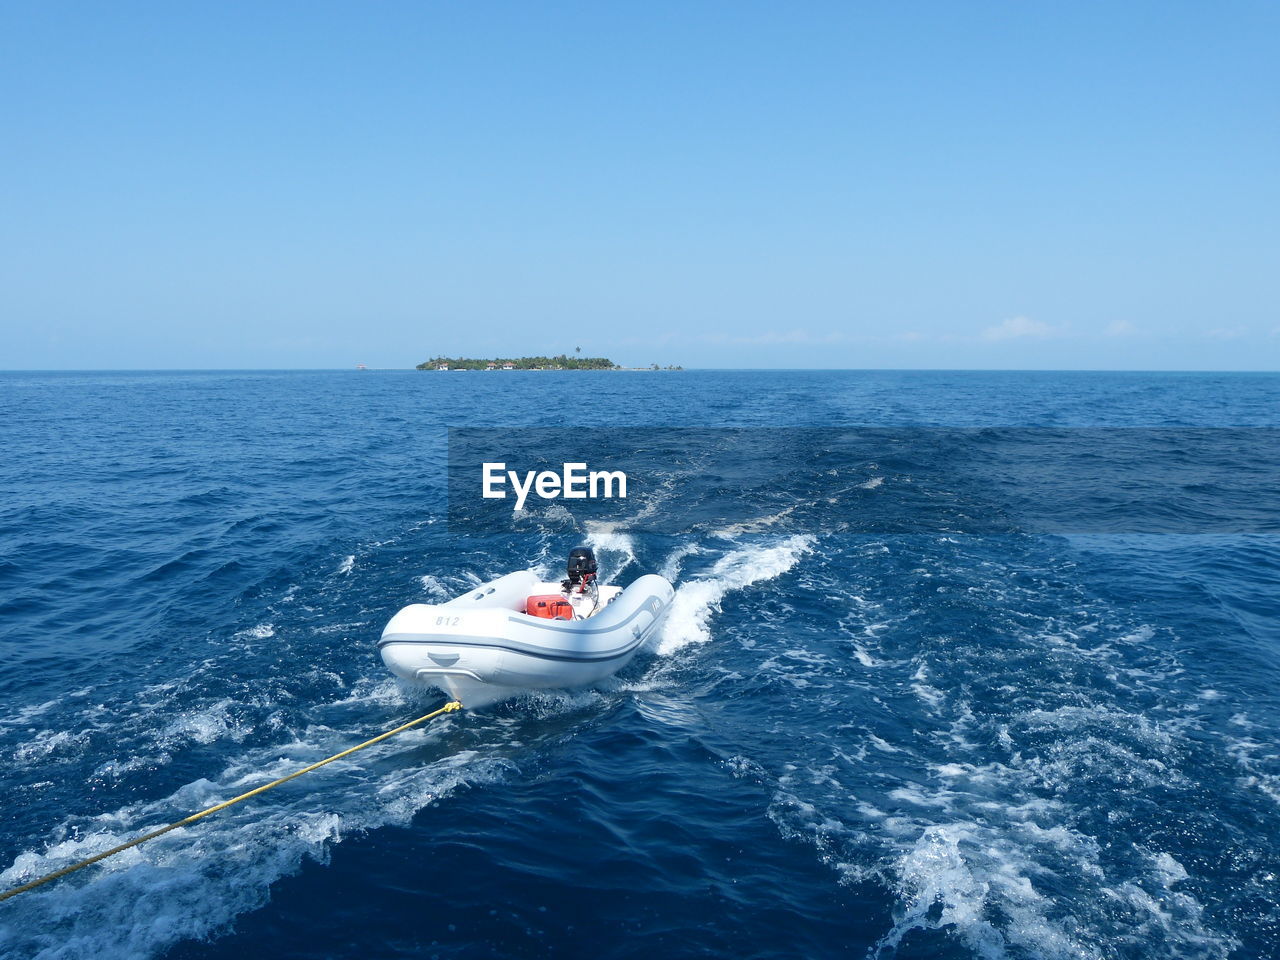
1018	327
1121	328
1227	333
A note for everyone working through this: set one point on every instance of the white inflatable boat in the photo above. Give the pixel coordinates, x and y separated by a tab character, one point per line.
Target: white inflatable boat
519	633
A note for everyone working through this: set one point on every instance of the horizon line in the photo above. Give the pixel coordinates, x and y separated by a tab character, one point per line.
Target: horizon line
641	369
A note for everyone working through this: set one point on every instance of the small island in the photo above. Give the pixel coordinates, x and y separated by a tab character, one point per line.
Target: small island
561	362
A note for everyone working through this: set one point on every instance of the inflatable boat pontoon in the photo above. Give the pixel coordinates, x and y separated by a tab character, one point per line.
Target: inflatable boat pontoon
519	633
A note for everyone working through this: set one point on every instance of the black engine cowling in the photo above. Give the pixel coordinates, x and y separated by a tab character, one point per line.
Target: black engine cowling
582	564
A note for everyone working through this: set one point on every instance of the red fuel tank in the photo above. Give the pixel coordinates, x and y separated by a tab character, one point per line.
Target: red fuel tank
550	606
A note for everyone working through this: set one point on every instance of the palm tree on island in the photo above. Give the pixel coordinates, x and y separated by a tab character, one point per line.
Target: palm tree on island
560	362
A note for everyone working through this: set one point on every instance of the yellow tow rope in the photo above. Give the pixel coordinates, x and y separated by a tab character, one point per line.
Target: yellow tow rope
447	708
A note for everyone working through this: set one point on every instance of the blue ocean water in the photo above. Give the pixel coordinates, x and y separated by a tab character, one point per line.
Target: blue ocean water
897	745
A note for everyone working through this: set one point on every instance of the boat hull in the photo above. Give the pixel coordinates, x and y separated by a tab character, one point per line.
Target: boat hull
481	647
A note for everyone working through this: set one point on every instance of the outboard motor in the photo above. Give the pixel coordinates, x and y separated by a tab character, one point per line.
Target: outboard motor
581	568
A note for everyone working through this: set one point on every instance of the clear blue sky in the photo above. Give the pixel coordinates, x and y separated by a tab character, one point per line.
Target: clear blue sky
1040	185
